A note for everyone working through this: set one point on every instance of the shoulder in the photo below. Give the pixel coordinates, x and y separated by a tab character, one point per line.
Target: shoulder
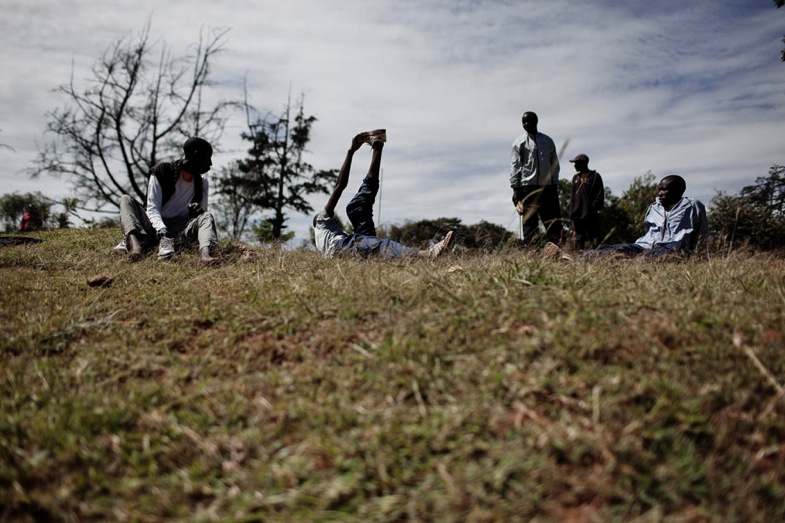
696	204
519	140
544	137
164	168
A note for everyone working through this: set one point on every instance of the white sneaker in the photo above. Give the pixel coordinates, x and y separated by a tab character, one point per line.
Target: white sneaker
165	248
120	247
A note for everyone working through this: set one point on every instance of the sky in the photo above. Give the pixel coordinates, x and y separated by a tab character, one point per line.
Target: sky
672	87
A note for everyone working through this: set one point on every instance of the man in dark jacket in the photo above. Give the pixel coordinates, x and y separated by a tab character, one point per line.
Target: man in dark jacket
176	208
586	200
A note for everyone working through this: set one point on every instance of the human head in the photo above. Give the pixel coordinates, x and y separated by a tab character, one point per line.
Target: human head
198	155
671	189
529	121
581	163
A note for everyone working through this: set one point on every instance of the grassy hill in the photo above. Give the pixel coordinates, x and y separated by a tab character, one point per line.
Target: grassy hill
475	388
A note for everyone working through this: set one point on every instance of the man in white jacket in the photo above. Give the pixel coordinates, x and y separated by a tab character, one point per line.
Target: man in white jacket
674	224
176	208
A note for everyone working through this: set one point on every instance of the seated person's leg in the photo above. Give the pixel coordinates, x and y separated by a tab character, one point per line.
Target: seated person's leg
133	219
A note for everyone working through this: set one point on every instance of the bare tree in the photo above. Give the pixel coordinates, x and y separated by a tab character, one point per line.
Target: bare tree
135	111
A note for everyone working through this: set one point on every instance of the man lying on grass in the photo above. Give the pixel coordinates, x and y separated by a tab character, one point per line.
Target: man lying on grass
176	208
330	238
674	224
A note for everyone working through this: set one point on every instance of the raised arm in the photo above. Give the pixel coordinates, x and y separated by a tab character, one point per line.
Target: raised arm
343	174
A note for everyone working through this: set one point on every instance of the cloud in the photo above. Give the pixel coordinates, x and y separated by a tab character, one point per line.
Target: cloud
694	88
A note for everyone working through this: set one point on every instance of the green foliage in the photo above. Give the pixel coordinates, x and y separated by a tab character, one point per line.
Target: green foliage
275	176
635	201
617	224
755	218
768	191
233	206
618	215
39	210
264	233
738	222
13	206
286	387
482	236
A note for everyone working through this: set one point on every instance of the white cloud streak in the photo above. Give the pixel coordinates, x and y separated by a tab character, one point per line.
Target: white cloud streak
672	87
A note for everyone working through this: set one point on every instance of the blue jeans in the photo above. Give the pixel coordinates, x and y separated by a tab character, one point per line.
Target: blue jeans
364	240
360	208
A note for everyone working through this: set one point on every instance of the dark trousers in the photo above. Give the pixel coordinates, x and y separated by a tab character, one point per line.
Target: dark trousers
540	203
360	208
587	230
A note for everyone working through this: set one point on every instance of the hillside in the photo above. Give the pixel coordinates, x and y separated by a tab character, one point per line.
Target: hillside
472	388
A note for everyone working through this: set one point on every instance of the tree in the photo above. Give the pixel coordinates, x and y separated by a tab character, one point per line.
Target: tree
420	233
616	223
275	176
38	209
755	218
615	218
482	236
768	191
134	111
635	201
233	205
14	206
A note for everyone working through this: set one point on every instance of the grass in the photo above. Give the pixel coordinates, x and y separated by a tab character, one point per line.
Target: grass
472	388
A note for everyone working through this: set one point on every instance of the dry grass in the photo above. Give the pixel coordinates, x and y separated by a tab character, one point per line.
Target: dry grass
292	388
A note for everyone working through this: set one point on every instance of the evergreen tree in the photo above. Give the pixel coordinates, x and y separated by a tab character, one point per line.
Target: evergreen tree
275	176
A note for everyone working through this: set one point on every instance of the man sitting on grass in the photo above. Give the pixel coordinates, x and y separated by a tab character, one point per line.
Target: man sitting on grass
673	224
176	208
329	236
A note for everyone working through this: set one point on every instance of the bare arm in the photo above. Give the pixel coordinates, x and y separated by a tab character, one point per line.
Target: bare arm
343	175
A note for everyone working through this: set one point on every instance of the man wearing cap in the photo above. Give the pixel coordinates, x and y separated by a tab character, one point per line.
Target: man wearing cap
176	208
534	178
586	200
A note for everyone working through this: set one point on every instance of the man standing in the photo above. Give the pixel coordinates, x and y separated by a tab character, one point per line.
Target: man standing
586	199
330	238
534	178
176	208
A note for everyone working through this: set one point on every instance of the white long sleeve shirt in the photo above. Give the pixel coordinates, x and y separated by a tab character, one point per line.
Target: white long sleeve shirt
175	210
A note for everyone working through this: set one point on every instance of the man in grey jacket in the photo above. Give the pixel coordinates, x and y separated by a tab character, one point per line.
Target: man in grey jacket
534	178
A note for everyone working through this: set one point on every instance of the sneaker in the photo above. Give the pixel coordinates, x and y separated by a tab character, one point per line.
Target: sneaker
379	135
165	248
441	248
120	248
